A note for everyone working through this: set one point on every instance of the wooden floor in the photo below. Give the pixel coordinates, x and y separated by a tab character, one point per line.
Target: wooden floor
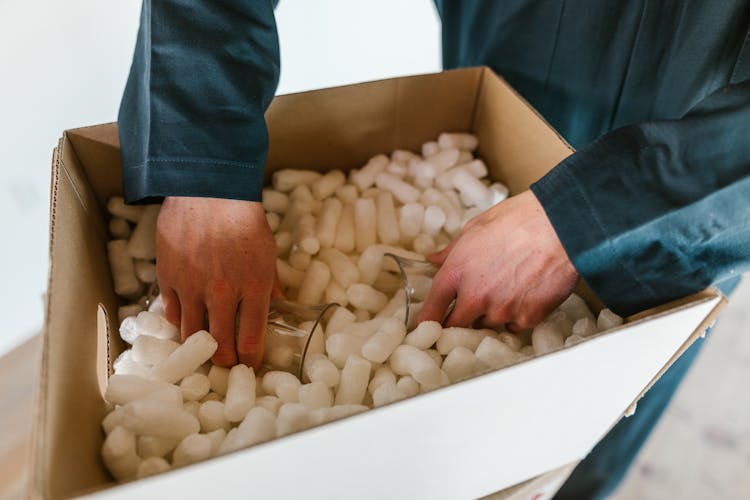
18	376
700	449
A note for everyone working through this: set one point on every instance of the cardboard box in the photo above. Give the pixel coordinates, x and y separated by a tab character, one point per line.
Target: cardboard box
466	440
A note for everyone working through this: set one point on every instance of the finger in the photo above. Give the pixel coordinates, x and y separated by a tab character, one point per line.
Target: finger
438	299
171	306
192	318
494	315
252	329
467	310
221	321
438	258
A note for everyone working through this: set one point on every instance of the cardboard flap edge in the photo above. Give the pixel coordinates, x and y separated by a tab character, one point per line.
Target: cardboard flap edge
105	133
103	354
708	321
39	422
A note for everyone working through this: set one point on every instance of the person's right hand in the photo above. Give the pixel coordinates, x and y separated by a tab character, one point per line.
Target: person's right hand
218	257
507	266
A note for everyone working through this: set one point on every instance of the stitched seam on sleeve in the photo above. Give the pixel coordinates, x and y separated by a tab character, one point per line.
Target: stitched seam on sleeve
609	246
228	163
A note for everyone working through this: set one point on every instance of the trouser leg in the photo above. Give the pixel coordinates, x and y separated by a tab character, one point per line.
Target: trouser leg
601	471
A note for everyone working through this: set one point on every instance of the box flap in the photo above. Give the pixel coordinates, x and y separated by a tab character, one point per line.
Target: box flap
70	403
707	323
98	151
517	144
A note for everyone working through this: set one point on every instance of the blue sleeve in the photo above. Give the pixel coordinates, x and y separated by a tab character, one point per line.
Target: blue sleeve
658	210
191	119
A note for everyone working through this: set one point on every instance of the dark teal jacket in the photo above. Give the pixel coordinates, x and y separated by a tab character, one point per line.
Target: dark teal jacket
654	94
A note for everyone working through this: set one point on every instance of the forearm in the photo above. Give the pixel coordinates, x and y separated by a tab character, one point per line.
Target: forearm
658	210
191	120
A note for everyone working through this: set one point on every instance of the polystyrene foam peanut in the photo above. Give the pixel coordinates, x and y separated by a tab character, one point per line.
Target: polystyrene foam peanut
142	243
314	284
116	207
121	265
287	179
328	221
196	350
354	379
119	454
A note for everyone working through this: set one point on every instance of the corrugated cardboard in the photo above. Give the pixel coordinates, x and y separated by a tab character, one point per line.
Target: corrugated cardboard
466	440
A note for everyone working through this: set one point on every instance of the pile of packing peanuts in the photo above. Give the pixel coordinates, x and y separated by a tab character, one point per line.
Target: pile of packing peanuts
171	407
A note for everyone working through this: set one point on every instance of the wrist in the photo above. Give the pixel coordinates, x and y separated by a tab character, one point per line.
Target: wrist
556	249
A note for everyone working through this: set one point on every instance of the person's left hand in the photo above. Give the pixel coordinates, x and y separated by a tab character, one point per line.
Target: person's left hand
217	258
506	266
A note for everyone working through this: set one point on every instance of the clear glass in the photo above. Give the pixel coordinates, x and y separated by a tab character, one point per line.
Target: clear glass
416	276
292	334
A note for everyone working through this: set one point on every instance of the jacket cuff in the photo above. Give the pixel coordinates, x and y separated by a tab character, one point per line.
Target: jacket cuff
151	181
590	247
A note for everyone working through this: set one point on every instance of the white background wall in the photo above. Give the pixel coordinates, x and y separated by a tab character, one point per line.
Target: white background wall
64	65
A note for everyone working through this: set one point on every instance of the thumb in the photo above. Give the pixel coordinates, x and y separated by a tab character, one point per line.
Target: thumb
438	258
438	299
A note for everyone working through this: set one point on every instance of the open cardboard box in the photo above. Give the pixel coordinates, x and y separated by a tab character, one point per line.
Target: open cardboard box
466	440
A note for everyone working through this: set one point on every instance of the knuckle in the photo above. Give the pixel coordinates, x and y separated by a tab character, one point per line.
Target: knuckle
498	314
253	289
527	319
222	329
225	350
259	284
448	276
477	301
249	344
247	352
467	311
221	288
225	354
523	323
189	297
224	359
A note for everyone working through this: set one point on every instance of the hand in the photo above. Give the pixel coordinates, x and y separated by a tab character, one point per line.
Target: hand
507	266
218	257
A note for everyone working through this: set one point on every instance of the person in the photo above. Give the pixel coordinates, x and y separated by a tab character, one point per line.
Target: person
654	205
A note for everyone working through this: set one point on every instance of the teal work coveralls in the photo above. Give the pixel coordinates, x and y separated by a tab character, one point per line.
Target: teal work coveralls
655	95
